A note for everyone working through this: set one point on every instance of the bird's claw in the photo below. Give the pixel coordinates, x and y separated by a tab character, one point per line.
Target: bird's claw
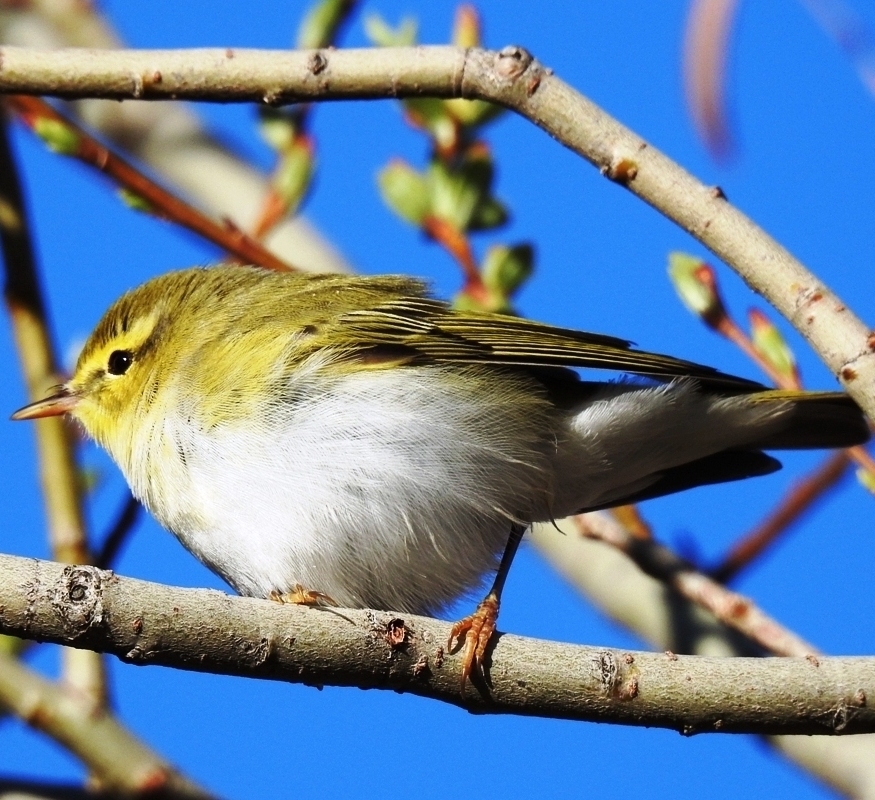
302	597
478	629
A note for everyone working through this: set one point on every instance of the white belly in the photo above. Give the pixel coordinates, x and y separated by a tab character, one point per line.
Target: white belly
382	490
394	489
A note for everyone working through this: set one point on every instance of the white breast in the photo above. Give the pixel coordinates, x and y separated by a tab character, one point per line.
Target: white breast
384	488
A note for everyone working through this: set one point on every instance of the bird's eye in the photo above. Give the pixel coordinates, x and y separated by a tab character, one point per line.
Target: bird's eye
119	362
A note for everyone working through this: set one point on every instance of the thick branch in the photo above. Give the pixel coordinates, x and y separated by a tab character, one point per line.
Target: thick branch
510	77
146	623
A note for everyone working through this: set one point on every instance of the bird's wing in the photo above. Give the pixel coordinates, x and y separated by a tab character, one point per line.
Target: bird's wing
431	331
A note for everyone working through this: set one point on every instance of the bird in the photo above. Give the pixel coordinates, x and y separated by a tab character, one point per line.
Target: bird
351	439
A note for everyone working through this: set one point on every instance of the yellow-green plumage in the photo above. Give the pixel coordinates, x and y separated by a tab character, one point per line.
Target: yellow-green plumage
355	436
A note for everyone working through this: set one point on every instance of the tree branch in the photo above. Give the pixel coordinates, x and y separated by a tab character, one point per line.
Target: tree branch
731	608
159	201
167	136
116	758
59	476
207	631
511	78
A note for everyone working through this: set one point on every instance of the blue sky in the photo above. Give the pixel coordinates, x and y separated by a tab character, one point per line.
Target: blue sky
806	126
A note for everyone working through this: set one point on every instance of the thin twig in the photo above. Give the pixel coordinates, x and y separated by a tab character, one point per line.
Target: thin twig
458	245
850	32
161	202
729	328
118	533
801	497
706	49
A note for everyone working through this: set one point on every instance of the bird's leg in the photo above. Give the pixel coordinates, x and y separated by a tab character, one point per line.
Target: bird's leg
301	597
479	626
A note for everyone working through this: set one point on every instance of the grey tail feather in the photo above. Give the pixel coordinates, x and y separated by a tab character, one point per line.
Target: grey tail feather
820	420
730	465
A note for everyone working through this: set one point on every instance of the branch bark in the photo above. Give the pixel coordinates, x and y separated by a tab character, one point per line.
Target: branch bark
511	78
207	631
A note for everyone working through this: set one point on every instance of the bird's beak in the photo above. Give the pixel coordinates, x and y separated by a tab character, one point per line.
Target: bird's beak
62	402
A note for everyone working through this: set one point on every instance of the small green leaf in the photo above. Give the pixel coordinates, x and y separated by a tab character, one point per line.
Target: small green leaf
489	213
495	302
505	269
135	201
58	136
696	285
867	479
383	35
477	167
319	25
461	191
473	113
431	115
277	126
454	197
405	191
771	345
294	173
466	27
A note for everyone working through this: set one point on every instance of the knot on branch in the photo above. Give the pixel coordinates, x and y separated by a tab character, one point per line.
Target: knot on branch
512	61
77	598
617	677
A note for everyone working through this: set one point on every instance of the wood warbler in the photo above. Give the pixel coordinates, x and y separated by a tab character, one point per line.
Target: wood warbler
355	437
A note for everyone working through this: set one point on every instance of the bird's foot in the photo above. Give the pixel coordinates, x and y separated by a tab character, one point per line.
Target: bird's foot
478	629
302	597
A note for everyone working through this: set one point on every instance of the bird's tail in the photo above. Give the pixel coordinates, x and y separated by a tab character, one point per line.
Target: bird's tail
817	420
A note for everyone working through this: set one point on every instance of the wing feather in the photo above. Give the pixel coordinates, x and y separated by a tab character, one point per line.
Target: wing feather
431	330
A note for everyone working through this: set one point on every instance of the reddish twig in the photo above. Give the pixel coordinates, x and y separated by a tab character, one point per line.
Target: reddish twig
801	497
729	328
731	608
273	209
630	518
709	25
32	110
457	244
